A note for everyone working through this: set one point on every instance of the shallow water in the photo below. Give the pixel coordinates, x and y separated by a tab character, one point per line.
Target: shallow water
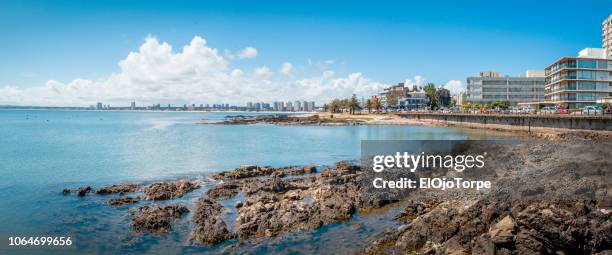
43	151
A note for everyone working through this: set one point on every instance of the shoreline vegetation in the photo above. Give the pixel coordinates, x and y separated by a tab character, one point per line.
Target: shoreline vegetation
271	201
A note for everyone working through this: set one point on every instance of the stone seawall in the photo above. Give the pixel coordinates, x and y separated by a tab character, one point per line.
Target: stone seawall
518	122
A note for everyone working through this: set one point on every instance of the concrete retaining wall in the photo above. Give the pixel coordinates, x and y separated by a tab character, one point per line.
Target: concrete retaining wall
526	121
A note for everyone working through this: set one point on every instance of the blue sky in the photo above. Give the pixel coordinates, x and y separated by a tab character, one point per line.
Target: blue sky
387	41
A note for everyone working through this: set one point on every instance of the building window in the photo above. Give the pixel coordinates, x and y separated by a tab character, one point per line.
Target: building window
587	64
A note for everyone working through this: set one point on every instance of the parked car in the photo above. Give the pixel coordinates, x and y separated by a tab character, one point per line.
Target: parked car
592	109
548	110
528	110
562	111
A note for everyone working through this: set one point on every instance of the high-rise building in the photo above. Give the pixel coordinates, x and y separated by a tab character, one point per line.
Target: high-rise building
289	107
309	106
489	87
297	106
575	82
99	106
133	106
607	36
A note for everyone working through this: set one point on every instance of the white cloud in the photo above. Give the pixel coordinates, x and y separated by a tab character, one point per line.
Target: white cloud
156	73
287	68
454	86
418	80
263	71
248	52
327	86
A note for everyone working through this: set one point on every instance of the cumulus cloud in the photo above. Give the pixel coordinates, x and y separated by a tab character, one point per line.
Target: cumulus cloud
454	86
287	68
248	52
197	73
418	80
263	71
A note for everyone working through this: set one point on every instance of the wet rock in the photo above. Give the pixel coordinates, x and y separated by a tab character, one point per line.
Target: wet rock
224	190
155	218
276	205
169	190
246	171
273	204
209	227
123	200
82	191
65	191
249	171
300	171
119	188
309	169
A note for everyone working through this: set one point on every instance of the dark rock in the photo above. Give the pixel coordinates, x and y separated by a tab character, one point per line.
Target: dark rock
247	171
276	205
65	191
82	191
155	218
224	190
169	190
123	200
209	227
119	188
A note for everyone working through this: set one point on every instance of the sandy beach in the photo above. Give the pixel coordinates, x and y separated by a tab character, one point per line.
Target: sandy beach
393	119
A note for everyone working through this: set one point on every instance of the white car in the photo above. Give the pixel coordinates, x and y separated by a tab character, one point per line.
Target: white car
527	110
592	109
548	110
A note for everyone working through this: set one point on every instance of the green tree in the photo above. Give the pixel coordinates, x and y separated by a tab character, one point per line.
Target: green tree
430	92
369	105
443	96
353	104
335	106
346	104
414	88
501	104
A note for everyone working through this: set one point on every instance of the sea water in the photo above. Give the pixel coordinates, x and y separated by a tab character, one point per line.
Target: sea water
43	151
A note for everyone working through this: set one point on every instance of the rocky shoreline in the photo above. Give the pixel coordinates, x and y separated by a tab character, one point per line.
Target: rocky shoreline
328	119
288	120
271	201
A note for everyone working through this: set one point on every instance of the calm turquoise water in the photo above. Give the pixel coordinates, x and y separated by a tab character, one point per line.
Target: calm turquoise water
43	151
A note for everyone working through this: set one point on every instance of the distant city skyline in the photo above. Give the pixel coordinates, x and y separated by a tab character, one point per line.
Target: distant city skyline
65	53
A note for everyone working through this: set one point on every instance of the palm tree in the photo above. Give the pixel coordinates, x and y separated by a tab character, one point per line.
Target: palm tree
430	91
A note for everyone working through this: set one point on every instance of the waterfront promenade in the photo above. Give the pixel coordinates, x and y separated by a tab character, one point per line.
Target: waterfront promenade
524	122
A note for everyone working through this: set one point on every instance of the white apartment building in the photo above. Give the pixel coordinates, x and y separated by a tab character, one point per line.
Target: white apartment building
606	28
